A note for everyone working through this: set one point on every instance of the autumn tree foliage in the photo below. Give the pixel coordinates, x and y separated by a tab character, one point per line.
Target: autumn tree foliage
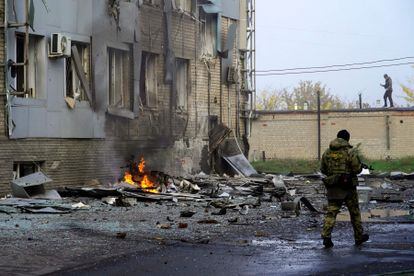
302	96
409	91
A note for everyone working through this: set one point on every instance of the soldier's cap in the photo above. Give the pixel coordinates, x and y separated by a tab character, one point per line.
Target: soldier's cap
344	134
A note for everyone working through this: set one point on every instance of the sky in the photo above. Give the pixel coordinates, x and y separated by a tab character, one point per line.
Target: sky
304	33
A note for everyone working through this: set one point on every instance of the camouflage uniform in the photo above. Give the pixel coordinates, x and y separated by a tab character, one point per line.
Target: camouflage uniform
341	165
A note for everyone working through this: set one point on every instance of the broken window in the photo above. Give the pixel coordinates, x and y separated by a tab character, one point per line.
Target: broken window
36	68
74	88
156	3
120	78
208	33
148	80
21	169
182	85
184	5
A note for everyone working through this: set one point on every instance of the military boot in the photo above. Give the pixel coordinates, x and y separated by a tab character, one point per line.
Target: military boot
327	242
364	238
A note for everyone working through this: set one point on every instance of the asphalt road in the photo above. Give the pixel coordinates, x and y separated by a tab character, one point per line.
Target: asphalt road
391	249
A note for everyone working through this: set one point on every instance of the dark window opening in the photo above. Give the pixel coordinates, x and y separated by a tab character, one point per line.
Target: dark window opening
20	59
21	169
182	83
148	80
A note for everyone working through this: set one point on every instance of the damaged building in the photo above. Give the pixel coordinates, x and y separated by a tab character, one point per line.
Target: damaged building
89	83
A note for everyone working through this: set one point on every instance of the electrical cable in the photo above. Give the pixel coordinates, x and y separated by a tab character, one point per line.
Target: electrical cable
334	65
332	70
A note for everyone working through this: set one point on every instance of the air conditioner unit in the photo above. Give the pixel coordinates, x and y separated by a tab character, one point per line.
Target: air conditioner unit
60	45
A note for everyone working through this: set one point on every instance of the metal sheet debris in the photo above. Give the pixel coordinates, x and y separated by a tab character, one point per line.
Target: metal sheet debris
31	185
240	164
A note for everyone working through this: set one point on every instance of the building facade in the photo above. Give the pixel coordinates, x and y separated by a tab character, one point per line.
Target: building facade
87	84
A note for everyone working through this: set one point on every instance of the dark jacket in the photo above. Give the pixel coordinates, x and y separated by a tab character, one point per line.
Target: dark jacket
353	168
388	84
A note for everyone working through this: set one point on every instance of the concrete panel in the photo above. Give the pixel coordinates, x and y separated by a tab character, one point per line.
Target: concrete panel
231	8
77	123
53	124
55	84
37	121
20	121
69	23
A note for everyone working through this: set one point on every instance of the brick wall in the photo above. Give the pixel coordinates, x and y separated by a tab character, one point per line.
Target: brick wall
294	134
71	162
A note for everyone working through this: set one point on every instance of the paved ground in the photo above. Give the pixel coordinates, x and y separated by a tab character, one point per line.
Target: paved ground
391	249
263	241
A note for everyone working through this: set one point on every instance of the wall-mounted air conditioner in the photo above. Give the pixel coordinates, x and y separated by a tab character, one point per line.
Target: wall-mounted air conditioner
60	45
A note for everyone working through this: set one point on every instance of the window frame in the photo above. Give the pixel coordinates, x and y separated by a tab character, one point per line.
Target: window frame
150	97
37	67
126	94
208	28
84	49
182	96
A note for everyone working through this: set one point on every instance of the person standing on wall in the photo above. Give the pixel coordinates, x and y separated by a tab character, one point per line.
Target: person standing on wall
341	165
388	90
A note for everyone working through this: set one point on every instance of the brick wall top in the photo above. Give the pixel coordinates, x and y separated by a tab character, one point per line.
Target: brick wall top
408	111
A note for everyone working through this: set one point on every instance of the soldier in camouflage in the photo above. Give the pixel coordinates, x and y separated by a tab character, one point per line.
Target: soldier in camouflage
341	165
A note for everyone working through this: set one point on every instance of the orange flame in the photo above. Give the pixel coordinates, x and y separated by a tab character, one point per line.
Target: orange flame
146	184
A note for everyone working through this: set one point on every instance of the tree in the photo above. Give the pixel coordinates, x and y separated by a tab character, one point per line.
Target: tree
304	94
408	91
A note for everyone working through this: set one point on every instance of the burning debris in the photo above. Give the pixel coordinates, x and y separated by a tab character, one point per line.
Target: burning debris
139	178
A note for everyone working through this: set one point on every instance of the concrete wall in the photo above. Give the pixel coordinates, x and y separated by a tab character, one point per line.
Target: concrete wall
293	135
171	140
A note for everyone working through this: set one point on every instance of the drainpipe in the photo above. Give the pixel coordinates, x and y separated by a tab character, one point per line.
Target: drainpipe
387	131
7	103
319	124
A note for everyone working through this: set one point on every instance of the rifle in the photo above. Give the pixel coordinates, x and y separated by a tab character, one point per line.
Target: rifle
366	166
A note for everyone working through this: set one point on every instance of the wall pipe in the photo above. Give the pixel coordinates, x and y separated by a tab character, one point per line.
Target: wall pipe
319	123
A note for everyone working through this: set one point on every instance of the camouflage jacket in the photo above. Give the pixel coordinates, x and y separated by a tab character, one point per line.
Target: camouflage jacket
340	162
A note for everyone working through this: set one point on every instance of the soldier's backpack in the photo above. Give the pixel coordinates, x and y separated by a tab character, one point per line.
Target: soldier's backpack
338	167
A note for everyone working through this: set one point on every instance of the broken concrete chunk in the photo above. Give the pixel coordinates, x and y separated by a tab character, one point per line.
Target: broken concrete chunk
280	187
164	226
126	201
288	206
244	210
222	211
364	194
109	200
187	186
225	195
80	205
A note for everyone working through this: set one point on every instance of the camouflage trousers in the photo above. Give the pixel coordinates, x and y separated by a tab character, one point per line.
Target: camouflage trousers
334	206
